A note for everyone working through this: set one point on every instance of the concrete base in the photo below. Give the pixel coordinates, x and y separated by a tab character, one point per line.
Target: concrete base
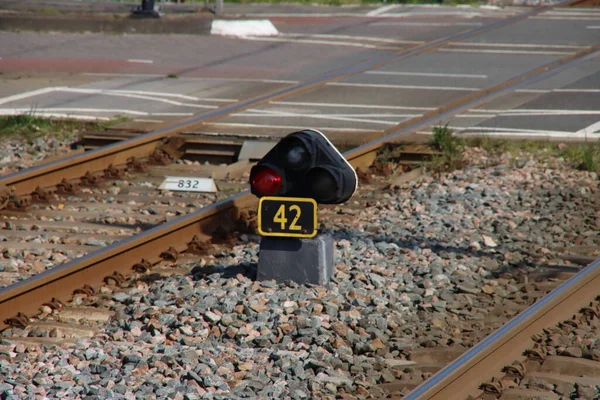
298	260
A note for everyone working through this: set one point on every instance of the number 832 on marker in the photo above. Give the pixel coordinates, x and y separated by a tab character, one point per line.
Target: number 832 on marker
287	217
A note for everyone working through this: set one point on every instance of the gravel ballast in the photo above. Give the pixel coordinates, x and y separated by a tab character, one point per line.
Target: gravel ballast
18	153
416	267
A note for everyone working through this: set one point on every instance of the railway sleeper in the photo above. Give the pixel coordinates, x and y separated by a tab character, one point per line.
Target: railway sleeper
113	172
494	387
516	370
116	279
170	254
528	394
86	290
88	314
59	330
19	203
198	247
92	178
541	379
66	186
553	378
160	157
571	366
137	164
143	266
41	195
54	304
19	321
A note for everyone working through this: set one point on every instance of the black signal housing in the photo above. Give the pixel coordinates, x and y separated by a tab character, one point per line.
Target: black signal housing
309	166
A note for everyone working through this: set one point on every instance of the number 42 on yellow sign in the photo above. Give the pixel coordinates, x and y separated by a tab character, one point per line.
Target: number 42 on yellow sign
287	217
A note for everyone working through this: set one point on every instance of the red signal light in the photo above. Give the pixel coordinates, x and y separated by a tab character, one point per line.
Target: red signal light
266	182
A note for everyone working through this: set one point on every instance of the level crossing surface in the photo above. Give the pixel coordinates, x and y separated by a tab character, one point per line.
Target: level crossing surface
160	78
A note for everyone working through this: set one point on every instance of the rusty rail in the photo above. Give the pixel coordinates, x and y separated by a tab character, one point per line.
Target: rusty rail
121	257
118	154
462	377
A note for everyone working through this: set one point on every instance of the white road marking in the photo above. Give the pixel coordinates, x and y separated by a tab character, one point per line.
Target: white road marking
258	126
542	91
426	24
497	131
532	112
499	51
333	14
126	75
365	38
476	115
128	92
587	27
381	10
516	45
171	114
60	115
136	94
549	18
376	85
376	115
283	114
387	15
36	111
141	61
441	75
148	120
117	93
191	78
311	41
68	111
25	95
573	13
107	92
558	90
346	105
260	80
592	129
577	90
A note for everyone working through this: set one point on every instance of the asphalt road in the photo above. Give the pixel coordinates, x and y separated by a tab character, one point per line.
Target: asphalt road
159	78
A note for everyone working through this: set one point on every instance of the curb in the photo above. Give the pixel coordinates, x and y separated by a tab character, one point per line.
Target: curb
198	25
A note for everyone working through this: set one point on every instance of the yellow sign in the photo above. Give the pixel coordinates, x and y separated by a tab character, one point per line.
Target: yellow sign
287	217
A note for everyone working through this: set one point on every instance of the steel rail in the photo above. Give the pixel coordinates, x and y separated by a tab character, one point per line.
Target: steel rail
462	377
73	167
92	269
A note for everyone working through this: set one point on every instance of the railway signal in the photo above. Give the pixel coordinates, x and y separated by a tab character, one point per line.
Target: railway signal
304	169
304	164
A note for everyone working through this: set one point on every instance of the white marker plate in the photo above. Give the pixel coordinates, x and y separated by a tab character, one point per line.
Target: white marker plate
188	184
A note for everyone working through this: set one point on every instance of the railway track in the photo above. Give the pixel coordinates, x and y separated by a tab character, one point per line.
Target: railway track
91	314
112	161
145	146
547	351
160	241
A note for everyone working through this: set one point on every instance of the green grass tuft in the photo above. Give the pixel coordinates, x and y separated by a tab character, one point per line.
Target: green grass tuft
49	11
450	147
29	126
583	156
